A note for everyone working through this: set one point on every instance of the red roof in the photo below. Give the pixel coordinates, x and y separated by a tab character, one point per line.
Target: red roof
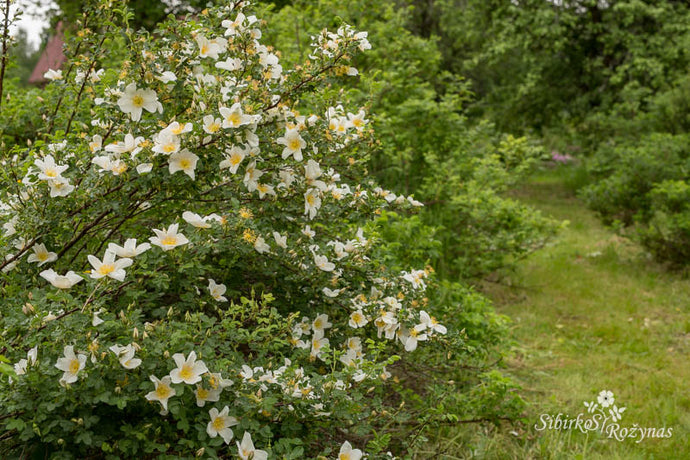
51	58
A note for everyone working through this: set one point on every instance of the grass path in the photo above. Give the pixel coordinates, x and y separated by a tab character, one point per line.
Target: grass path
590	312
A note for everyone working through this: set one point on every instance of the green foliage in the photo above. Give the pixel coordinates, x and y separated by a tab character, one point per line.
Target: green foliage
626	173
670	109
535	64
667	234
481	229
641	183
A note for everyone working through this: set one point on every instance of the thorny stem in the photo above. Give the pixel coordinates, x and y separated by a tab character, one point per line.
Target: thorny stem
5	36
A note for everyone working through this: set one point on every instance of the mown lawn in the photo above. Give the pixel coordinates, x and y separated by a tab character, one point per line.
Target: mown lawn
590	312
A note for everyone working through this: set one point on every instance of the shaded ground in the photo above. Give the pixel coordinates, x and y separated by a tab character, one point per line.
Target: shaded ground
590	312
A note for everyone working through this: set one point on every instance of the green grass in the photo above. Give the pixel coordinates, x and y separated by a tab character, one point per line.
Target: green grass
590	312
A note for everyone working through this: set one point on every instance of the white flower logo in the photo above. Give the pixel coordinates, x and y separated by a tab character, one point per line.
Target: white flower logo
605	398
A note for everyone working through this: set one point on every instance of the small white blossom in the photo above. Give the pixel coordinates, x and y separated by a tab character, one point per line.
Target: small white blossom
331	292
322	263
321	323
166	77
49	169
188	370
280	240
130	248
211	125
162	391
220	424
210	48
247	451
318	342
41	255
312	203
60	187
70	364
183	160
196	220
144	168
234	157
53	74
293	143
166	143
217	290
96	320
204	395
126	356
234	117
168	239
130	144
65	281
134	100
358	319
348	453
308	232
431	323
109	266
20	366
261	246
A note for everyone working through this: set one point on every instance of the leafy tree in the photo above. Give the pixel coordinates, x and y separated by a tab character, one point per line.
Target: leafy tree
535	64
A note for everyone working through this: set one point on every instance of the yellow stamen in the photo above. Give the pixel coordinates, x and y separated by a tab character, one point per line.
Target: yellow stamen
74	366
186	372
106	269
169	241
218	423
294	144
162	391
234	119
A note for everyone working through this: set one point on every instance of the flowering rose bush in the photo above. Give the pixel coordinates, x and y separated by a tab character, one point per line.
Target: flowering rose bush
190	259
